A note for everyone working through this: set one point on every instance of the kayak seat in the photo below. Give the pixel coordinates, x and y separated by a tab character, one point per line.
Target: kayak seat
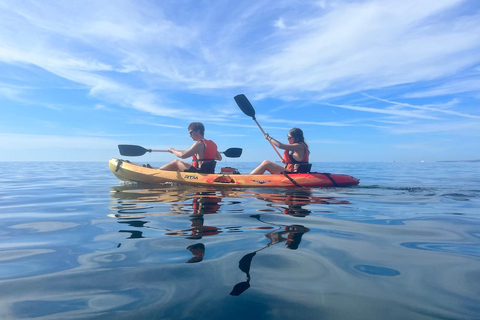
229	170
206	167
304	168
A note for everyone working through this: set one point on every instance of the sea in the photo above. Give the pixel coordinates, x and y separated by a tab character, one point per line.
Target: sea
77	243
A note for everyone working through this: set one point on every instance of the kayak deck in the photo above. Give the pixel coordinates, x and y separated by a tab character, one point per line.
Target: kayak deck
127	171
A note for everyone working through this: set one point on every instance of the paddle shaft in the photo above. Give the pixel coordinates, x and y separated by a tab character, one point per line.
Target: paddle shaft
134	151
276	150
169	151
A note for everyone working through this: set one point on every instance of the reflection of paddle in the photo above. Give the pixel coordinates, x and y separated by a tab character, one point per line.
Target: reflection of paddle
257	216
293	210
244	264
134	151
248	109
240	288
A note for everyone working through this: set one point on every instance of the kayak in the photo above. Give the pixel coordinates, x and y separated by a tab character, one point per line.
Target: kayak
127	171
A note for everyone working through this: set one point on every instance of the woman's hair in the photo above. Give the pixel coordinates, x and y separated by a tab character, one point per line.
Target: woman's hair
194	126
297	134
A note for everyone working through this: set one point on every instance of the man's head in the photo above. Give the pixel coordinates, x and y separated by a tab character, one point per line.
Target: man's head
196	126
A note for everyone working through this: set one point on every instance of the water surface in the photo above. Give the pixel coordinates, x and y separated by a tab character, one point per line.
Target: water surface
76	243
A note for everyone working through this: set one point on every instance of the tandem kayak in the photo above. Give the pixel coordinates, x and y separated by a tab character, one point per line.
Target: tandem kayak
126	171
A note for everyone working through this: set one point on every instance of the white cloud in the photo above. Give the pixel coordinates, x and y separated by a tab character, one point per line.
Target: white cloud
280	24
331	48
413	146
9	92
301	122
326	141
430	108
12	141
101	107
401	113
155	124
457	128
451	87
372	44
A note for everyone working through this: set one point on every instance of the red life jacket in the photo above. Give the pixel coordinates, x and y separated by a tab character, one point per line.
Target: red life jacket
210	153
290	161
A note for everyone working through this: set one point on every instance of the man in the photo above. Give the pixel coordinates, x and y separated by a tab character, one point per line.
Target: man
204	153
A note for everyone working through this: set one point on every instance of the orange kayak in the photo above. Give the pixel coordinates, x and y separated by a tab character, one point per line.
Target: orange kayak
127	171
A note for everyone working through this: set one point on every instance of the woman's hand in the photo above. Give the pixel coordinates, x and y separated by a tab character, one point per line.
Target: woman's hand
267	136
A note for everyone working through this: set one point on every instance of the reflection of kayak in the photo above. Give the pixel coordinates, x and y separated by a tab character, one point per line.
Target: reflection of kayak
127	171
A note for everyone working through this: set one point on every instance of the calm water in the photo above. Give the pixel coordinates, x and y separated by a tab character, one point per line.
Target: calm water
77	244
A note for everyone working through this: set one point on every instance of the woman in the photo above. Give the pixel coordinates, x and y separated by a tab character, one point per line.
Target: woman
296	154
204	153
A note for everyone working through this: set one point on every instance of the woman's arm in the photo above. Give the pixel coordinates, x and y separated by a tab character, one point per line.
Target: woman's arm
218	156
290	147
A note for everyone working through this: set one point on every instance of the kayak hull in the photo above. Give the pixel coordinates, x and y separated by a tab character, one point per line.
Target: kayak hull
127	171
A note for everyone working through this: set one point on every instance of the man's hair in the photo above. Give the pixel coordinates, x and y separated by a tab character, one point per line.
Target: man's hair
194	126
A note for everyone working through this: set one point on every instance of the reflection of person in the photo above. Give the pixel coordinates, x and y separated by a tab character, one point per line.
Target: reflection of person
204	153
294	201
200	230
294	236
295	156
296	211
198	251
204	203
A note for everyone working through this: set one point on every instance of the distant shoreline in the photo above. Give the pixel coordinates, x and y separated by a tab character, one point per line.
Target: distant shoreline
459	161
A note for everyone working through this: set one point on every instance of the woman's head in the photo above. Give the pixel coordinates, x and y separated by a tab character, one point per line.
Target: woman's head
296	135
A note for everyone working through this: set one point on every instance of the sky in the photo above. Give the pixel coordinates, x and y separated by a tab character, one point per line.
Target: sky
375	80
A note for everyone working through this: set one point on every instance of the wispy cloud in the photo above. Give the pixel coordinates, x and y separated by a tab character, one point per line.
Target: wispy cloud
156	124
10	93
459	128
413	146
328	49
301	122
393	112
360	46
452	87
326	141
430	108
34	141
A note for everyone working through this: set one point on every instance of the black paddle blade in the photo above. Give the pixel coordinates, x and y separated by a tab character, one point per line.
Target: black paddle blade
132	150
233	152
240	288
245	263
245	105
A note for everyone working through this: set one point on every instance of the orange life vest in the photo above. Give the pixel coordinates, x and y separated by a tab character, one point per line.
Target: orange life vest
290	161
210	153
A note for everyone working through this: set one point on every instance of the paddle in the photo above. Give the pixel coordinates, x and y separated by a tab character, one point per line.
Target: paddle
244	265
133	151
248	109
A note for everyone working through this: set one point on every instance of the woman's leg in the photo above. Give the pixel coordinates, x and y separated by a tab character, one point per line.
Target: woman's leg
269	166
176	165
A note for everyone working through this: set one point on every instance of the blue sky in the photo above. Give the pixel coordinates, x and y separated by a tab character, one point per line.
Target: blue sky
378	80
